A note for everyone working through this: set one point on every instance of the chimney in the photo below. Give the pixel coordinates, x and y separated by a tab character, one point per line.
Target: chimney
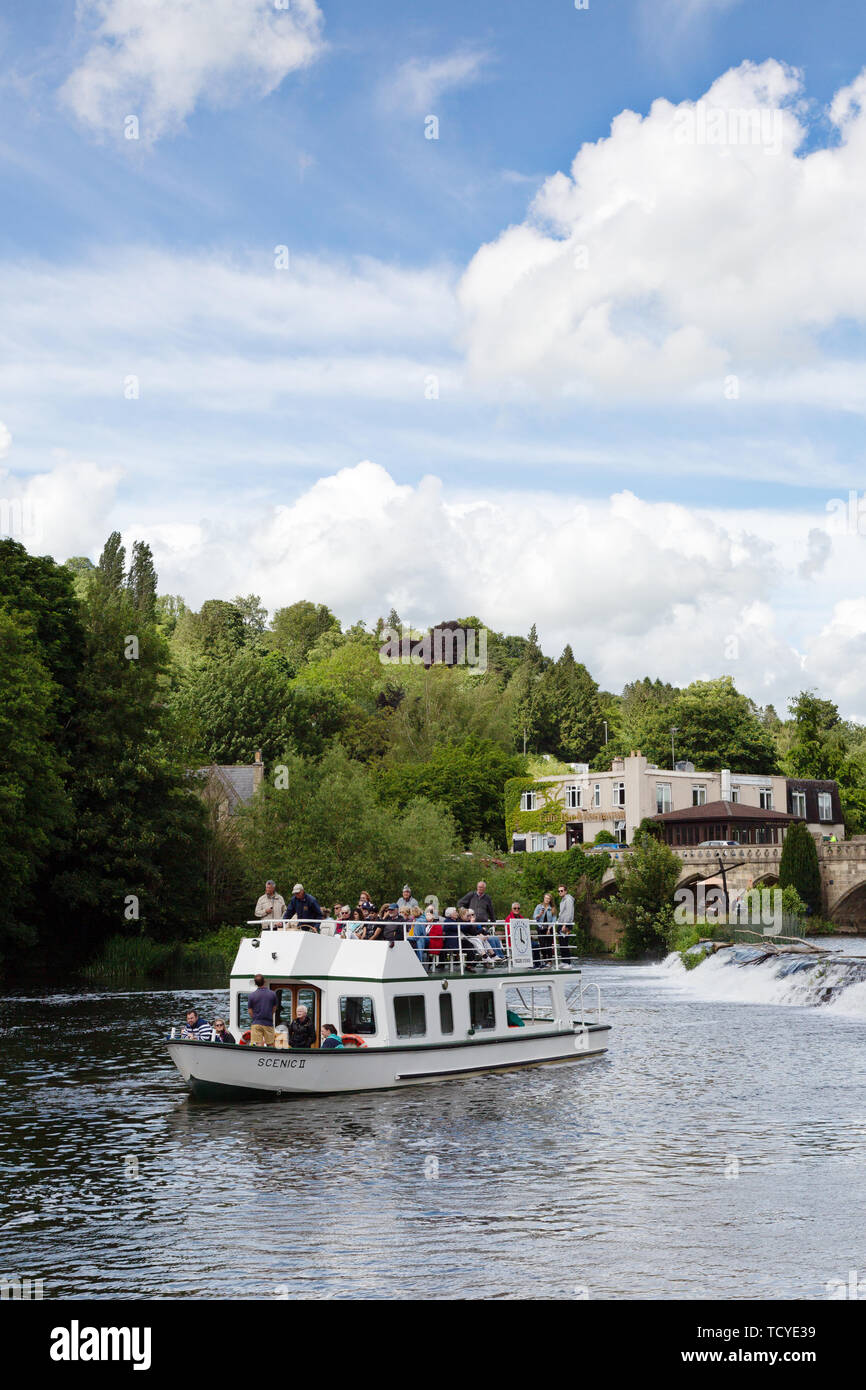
258	770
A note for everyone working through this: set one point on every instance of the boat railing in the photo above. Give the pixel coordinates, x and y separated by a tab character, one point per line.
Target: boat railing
518	944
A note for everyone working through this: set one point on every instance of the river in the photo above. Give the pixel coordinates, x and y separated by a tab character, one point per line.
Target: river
717	1151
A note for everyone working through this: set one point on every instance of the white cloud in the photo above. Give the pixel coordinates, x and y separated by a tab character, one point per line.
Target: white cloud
420	83
635	587
5	440
61	512
690	245
156	59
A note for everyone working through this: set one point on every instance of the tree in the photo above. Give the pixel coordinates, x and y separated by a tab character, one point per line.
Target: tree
818	747
643	896
799	867
141	581
228	708
34	808
466	779
294	630
254	616
136	856
44	592
574	710
324	826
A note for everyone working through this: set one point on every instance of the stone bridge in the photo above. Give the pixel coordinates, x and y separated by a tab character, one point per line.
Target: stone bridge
843	873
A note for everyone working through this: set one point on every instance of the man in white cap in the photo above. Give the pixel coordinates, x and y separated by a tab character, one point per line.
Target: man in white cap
406	899
305	908
271	906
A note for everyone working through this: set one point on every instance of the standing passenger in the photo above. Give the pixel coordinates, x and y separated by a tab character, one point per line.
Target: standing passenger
262	1006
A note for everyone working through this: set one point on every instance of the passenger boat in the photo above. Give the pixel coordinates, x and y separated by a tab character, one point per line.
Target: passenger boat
402	1023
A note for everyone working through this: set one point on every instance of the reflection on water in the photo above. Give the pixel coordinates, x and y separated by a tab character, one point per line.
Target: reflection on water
718	1150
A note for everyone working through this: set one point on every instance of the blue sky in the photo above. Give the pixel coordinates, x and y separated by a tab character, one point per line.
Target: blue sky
434	321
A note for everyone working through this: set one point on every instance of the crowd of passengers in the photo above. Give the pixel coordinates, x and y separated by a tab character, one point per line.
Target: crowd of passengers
469	928
438	939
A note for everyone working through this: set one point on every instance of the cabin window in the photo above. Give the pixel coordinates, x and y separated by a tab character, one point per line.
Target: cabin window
482	1010
446	1014
243	1018
410	1015
541	1002
357	1014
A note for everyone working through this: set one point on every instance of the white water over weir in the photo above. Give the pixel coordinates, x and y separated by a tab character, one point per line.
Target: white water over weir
834	980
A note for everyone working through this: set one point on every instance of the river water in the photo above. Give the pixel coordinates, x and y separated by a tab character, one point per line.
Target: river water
717	1151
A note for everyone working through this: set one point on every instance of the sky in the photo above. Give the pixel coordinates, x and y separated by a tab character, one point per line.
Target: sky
547	314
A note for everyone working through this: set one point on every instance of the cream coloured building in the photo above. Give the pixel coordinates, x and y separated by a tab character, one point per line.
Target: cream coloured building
618	800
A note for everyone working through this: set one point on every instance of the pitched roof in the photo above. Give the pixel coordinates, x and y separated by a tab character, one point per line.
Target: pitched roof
724	810
238	779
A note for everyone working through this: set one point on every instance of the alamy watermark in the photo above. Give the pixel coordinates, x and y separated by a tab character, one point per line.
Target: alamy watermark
703	124
440	646
19	519
757	907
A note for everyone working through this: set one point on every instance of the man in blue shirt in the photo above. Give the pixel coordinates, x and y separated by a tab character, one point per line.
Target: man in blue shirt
261	1006
303	905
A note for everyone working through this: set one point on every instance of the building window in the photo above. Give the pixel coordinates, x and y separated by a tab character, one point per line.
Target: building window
357	1014
663	797
527	801
446	1014
699	795
765	798
572	798
482	1011
537	842
596	794
825	808
619	831
619	793
735	794
798	804
409	1016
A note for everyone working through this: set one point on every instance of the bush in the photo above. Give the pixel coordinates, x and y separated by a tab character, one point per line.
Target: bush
798	866
643	898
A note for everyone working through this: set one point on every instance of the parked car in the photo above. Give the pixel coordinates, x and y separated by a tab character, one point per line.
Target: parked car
719	844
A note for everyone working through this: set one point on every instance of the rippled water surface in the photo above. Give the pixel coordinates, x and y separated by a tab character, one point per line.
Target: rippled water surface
718	1150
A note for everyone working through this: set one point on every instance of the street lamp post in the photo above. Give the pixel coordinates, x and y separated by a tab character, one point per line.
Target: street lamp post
604	722
674	730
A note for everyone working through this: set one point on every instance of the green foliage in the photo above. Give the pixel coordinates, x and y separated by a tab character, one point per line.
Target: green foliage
798	865
139	829
329	830
228	708
466	779
647	827
643	897
34	808
296	629
716	726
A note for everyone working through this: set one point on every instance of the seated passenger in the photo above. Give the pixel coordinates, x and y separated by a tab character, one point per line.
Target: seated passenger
221	1034
196	1027
365	902
302	1031
330	1036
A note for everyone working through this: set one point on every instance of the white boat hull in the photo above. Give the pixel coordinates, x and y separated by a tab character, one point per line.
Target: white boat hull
218	1072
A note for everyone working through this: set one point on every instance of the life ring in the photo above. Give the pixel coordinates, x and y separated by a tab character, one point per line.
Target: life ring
244	1037
352	1040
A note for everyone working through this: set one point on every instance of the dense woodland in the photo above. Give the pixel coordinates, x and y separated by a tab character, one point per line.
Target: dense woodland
111	695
